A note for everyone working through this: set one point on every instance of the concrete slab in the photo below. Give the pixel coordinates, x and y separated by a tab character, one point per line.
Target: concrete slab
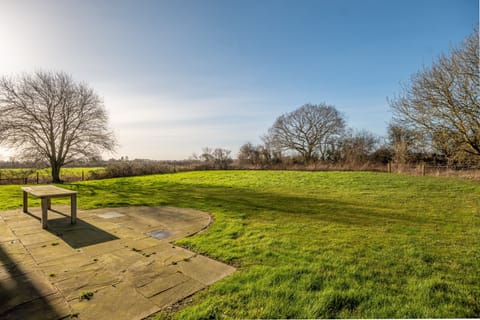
59	270
47	307
46	251
86	280
163	283
6	234
177	293
109	254
24	288
13	252
204	270
110	215
37	238
120	302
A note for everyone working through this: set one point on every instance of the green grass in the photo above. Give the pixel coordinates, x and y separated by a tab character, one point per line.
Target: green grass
46	172
319	244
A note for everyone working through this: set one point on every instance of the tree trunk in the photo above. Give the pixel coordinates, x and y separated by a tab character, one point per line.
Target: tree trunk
56	173
308	157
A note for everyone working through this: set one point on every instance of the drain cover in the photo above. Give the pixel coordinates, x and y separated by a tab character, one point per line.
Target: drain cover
159	234
110	215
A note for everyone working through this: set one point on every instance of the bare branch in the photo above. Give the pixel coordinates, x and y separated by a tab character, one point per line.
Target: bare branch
47	115
442	102
307	130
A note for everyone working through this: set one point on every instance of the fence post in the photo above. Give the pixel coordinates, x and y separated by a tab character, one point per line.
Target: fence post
389	167
83	175
423	169
37	177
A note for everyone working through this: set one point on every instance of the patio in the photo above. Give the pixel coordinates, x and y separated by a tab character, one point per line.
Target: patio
115	263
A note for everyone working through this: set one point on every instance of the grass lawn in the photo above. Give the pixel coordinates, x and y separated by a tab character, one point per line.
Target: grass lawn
319	244
67	173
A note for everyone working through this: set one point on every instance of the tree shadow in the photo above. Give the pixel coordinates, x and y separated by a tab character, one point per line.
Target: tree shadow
348	211
246	201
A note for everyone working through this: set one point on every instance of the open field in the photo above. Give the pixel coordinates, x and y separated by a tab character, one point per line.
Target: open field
44	175
319	244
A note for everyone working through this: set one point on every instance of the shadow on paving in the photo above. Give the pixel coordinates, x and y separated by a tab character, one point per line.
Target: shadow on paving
20	298
81	234
43	278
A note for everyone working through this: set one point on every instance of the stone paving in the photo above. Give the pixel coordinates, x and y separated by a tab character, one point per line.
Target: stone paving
107	266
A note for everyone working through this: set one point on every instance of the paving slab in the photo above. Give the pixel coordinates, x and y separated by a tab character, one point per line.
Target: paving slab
47	251
161	284
24	288
112	254
176	293
46	307
6	234
204	270
119	302
87	280
13	252
37	238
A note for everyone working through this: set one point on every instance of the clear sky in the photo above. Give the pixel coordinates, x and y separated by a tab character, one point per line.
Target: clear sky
179	75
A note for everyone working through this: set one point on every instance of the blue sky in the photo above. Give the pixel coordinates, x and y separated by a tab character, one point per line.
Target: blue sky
180	75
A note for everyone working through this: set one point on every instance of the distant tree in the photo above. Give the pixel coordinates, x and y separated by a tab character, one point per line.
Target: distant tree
207	154
220	158
310	130
358	146
258	155
249	154
404	142
48	117
442	102
383	154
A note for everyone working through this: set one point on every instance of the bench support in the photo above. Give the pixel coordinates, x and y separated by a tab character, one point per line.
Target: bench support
25	202
45	202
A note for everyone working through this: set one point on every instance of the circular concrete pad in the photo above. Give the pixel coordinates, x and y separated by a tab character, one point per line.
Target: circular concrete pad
106	265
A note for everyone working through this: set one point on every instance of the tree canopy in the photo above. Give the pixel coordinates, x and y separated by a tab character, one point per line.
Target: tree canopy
48	117
442	101
309	130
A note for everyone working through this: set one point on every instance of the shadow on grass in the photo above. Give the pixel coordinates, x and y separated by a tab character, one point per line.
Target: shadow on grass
250	202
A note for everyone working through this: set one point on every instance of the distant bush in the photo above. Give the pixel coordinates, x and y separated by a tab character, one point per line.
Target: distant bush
131	168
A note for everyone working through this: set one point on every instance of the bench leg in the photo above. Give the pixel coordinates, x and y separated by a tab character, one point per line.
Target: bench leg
25	202
44	212
73	208
49	204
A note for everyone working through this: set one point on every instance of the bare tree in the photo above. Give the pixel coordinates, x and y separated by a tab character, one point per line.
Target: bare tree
218	157
258	156
310	130
403	141
357	146
249	154
442	102
48	117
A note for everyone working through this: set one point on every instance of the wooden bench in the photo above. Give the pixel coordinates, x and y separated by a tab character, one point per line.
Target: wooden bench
46	193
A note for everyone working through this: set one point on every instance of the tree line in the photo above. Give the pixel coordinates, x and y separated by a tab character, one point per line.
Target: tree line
436	119
51	119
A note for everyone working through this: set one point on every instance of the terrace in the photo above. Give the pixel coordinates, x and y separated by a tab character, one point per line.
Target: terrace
116	262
